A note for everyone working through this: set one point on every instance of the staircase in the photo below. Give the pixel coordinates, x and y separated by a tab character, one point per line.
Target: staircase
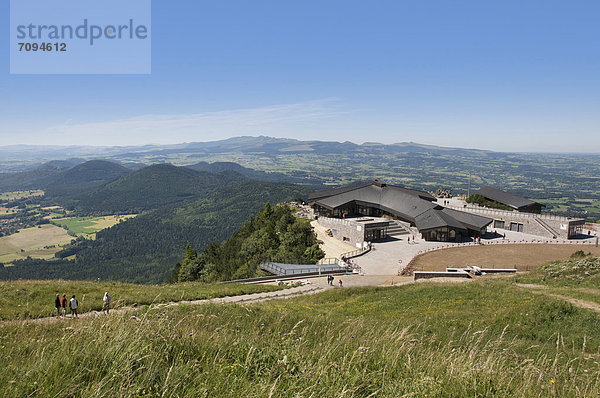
397	229
552	233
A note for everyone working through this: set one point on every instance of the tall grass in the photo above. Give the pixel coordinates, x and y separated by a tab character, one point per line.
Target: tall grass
479	339
35	299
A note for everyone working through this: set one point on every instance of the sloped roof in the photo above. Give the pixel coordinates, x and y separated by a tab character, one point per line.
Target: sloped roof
435	218
334	191
506	198
471	221
407	204
313	196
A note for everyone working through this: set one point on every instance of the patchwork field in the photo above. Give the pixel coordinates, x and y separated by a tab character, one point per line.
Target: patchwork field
32	242
90	225
4	210
20	194
523	257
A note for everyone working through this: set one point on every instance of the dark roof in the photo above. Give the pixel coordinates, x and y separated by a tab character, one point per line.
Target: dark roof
471	221
388	198
506	198
407	204
313	196
334	191
435	218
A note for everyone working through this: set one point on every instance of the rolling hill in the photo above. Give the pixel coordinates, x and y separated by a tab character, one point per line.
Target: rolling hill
152	187
83	177
146	248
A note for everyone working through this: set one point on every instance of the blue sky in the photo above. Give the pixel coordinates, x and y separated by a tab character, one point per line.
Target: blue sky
507	76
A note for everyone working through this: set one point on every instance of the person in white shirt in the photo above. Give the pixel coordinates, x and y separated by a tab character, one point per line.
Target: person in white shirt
73	304
106	303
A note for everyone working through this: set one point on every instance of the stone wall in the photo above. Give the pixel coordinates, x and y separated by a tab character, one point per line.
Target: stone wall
345	230
544	225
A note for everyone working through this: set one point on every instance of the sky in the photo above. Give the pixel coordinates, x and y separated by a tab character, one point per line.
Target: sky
520	76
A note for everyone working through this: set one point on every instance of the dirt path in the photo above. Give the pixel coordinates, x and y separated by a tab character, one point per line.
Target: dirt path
540	289
246	298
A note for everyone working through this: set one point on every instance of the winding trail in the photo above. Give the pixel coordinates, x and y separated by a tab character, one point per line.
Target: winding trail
540	289
245	298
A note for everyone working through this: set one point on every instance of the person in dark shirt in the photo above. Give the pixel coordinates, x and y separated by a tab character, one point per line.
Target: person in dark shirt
63	304
57	304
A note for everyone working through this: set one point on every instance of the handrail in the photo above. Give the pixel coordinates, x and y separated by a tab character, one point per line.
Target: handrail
506	242
486	210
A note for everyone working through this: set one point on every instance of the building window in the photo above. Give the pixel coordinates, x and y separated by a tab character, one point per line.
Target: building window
517	227
499	224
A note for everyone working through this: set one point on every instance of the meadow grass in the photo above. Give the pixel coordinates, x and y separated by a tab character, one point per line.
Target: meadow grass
90	225
35	299
580	271
485	338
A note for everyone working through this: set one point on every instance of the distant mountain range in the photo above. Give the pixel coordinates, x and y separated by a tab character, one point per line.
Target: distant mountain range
20	157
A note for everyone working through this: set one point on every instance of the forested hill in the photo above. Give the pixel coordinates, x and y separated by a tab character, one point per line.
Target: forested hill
217	167
146	248
64	179
274	234
152	187
83	177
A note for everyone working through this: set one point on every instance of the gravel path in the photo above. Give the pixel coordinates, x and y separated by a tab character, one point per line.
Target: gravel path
540	289
246	298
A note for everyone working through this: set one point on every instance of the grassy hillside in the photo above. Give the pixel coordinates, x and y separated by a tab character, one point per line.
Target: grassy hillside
581	270
485	338
35	299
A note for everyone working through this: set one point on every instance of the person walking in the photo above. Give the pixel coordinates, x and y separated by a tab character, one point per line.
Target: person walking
340	283
57	304
106	303
63	305
73	304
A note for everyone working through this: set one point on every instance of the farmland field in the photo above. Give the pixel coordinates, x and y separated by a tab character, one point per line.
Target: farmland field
32	242
85	226
20	194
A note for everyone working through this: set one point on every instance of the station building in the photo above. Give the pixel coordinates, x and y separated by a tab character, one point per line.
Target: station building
372	211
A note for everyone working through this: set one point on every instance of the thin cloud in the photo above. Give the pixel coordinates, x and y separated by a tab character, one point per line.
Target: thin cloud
165	129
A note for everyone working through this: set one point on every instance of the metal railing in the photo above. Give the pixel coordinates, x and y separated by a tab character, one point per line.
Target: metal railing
509	242
498	212
295	269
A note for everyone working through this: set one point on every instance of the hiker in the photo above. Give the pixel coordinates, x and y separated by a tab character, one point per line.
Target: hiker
63	305
340	283
408	240
73	304
106	303
331	280
57	304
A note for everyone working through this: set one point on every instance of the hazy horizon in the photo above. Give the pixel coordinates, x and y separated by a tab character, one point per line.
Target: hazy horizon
508	77
178	144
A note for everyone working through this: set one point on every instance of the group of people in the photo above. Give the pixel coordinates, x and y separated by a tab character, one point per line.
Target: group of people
330	279
61	303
